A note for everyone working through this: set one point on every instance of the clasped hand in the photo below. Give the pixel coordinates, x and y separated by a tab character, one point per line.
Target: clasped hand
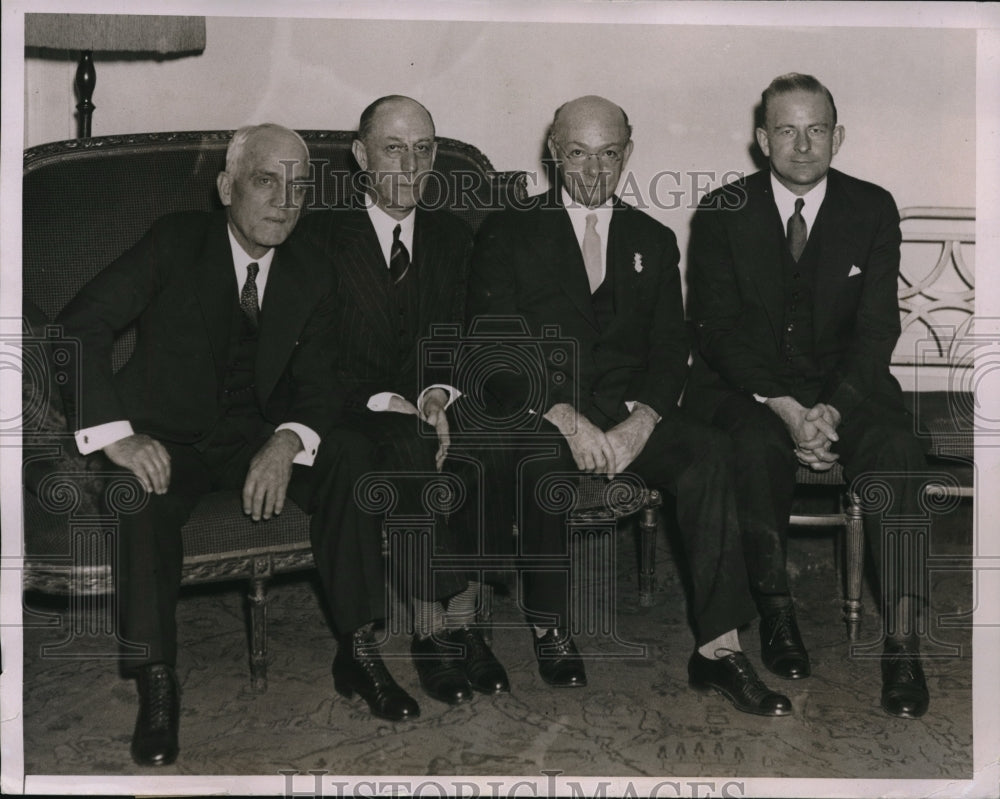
814	431
599	452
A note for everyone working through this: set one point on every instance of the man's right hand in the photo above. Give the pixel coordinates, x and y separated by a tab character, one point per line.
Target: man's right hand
588	444
146	458
813	430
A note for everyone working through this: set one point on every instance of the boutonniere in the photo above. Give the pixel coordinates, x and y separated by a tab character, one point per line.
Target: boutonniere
637	262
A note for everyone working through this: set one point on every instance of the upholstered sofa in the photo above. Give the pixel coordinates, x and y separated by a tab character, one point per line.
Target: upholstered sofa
85	202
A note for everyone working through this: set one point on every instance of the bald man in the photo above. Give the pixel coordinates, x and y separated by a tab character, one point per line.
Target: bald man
400	269
607	274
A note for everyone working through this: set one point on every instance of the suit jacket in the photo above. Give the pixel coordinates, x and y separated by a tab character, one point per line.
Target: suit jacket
368	357
178	282
527	264
737	297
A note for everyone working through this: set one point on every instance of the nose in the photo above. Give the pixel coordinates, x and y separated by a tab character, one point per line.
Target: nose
802	143
592	166
408	161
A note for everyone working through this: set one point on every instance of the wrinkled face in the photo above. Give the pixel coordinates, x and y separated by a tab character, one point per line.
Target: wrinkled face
591	152
397	152
262	197
800	138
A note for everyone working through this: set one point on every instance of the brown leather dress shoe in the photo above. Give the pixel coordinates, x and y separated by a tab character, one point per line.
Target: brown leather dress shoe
358	668
559	661
441	670
781	647
904	688
482	669
154	742
734	677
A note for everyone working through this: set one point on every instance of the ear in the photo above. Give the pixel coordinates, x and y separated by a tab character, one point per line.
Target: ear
553	150
626	153
838	138
224	183
763	143
360	153
434	152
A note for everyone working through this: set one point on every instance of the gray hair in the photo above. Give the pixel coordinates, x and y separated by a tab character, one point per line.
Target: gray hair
234	152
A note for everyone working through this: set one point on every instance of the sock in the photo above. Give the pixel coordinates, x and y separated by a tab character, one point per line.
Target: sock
428	617
462	607
725	643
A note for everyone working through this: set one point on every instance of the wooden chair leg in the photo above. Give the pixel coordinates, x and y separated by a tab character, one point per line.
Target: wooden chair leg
854	561
258	634
485	615
647	556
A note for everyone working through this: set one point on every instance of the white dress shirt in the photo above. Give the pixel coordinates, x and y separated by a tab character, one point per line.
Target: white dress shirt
91	439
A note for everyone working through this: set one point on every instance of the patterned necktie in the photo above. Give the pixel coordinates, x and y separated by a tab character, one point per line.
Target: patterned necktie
797	233
399	258
592	253
248	296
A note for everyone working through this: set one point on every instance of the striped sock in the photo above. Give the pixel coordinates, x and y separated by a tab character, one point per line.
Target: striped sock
462	607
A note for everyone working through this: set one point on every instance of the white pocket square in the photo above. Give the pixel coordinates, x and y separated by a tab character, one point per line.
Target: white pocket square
854	271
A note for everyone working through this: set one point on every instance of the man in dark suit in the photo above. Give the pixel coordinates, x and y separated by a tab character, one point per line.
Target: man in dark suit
793	275
399	269
606	274
230	386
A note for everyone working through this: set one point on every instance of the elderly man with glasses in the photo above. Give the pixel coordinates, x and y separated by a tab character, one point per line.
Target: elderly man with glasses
606	274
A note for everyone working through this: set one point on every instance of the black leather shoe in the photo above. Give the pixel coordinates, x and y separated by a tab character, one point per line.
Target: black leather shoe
358	668
559	661
904	689
482	670
734	677
440	668
154	742
781	646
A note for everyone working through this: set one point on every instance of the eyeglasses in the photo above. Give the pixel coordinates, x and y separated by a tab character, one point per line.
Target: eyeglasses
578	157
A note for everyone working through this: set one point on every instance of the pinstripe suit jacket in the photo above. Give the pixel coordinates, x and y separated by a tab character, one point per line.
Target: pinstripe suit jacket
368	355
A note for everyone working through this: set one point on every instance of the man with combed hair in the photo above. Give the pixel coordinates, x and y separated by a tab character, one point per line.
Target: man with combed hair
229	387
400	269
606	274
793	277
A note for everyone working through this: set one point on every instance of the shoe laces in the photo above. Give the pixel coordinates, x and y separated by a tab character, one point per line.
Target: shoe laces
160	693
753	687
782	622
905	665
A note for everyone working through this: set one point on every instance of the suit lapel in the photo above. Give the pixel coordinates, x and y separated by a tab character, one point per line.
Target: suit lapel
622	258
762	235
833	230
430	257
567	257
213	282
283	312
363	272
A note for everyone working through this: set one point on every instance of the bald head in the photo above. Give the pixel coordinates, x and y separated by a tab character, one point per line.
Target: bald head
590	140
590	111
395	145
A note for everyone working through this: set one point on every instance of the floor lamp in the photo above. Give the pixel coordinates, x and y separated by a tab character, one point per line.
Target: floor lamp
156	36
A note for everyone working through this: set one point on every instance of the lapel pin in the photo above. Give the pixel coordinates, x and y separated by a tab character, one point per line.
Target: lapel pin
637	262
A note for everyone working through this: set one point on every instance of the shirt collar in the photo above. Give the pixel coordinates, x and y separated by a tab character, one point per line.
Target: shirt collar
385	224
785	199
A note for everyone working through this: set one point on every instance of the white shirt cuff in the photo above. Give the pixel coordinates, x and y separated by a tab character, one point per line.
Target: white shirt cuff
453	394
759	398
380	402
91	439
630	404
310	442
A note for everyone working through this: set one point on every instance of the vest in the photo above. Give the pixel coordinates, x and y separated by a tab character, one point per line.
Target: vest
798	366
406	311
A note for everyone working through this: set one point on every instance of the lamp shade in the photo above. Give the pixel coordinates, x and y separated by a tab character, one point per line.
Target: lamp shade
121	33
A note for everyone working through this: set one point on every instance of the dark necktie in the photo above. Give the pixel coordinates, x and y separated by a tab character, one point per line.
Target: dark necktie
248	296
399	258
797	234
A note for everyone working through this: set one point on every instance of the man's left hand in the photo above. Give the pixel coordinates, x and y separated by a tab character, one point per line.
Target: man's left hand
268	476
433	412
628	438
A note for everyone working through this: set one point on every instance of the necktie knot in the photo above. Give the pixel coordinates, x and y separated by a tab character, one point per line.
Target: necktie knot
249	301
399	258
797	233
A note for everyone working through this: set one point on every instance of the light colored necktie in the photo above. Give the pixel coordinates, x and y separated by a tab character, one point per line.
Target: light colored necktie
248	296
592	253
797	233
